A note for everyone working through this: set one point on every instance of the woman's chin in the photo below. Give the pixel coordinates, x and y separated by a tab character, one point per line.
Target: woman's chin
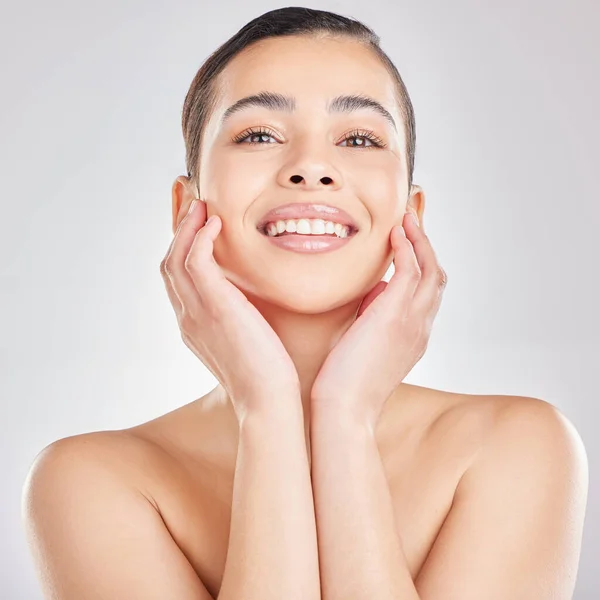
313	298
306	291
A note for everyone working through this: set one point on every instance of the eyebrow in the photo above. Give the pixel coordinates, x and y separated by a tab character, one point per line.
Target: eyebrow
339	104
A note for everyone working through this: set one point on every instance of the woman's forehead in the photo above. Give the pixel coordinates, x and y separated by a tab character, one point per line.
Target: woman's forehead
307	67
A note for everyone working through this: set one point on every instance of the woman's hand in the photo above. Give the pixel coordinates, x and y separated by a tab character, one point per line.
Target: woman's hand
218	323
389	336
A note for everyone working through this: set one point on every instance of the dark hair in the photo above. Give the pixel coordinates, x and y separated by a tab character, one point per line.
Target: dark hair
201	98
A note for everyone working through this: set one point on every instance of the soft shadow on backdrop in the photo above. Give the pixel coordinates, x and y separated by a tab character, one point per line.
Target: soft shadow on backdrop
507	128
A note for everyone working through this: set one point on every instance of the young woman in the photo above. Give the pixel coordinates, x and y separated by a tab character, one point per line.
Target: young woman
311	471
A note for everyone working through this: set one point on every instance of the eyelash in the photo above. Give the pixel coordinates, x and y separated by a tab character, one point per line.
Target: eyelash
376	142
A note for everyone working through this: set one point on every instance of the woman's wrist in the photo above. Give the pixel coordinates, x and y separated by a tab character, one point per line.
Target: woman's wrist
272	410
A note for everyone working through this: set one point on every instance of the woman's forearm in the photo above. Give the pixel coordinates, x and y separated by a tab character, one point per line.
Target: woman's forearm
360	552
272	550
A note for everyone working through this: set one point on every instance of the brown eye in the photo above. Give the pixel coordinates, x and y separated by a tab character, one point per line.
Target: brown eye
249	133
375	141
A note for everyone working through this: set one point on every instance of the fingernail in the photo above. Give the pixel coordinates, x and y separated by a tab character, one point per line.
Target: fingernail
415	218
210	219
192	206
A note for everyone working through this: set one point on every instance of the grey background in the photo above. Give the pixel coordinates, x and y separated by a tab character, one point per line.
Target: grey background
506	97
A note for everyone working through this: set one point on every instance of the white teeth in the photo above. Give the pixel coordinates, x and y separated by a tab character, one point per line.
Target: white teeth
306	227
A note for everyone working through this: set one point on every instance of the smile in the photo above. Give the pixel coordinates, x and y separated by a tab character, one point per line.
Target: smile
308	243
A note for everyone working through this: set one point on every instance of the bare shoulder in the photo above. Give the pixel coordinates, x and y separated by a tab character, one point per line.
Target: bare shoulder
504	427
86	495
501	495
118	456
470	424
531	430
172	451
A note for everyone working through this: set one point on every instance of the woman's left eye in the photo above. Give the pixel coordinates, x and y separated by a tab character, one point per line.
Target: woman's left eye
374	141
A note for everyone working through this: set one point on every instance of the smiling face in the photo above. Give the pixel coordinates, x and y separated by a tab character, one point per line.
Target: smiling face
261	157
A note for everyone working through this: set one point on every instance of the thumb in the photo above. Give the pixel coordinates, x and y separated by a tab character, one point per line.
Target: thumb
379	287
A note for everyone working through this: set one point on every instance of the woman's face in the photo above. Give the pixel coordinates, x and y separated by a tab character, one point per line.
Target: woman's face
242	181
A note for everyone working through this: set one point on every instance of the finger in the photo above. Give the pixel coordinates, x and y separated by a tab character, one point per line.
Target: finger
407	273
177	279
173	298
433	277
373	293
201	265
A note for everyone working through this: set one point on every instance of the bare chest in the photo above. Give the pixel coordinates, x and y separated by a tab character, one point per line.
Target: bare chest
422	473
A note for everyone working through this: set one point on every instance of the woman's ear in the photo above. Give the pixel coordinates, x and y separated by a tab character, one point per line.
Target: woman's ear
416	203
182	194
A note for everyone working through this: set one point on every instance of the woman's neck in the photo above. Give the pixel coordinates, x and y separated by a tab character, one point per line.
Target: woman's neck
308	339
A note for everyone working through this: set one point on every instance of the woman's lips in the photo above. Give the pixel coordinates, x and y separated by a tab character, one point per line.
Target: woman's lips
310	244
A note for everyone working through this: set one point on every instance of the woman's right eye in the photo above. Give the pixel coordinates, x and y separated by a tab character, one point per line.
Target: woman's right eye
250	134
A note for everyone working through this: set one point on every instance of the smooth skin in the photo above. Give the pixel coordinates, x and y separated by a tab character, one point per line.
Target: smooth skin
311	470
